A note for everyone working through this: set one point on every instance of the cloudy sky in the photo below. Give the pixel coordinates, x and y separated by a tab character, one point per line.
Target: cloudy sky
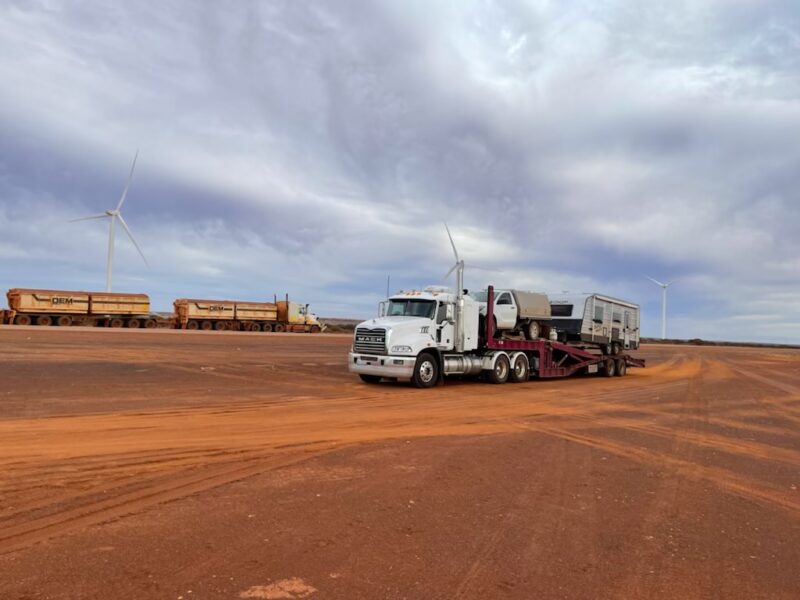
317	147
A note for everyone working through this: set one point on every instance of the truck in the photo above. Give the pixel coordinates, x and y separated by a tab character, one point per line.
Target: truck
65	308
596	321
425	336
236	315
518	313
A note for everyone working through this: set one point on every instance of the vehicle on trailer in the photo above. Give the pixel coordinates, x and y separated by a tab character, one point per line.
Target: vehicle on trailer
427	335
595	321
65	308
517	312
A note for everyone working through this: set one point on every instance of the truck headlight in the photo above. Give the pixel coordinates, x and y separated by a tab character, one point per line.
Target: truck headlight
401	350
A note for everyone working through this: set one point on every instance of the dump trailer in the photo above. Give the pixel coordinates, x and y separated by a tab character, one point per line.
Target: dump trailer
234	315
427	335
65	308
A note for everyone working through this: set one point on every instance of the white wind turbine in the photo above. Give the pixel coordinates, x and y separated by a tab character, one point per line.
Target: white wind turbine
664	287
113	215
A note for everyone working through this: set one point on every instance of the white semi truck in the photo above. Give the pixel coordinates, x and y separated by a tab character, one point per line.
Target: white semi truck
426	335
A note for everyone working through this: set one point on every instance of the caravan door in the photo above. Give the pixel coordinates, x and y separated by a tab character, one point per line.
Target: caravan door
626	331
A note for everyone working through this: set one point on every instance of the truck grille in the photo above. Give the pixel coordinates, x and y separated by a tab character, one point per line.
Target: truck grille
370	341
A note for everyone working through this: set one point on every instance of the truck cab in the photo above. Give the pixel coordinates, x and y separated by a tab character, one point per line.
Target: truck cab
411	324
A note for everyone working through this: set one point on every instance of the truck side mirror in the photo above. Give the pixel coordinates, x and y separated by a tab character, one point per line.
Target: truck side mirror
382	309
449	313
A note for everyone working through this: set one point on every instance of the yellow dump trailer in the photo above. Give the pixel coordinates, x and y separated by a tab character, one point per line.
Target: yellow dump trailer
191	313
65	308
257	316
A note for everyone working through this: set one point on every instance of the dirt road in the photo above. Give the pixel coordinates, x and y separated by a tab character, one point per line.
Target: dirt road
150	464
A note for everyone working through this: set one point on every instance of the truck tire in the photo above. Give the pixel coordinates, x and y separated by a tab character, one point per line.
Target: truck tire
255	326
219	325
370	378
150	324
44	321
134	323
426	371
499	373
615	348
267	327
193	325
609	367
22	320
622	367
279	327
116	322
519	370
64	321
532	330
207	325
315	329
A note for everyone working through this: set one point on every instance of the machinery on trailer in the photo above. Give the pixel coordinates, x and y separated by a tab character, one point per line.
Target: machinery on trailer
596	321
65	308
281	315
425	336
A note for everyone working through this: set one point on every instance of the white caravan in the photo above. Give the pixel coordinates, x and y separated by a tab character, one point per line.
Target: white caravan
595	320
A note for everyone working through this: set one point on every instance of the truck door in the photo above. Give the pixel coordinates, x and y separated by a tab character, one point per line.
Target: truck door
505	311
445	331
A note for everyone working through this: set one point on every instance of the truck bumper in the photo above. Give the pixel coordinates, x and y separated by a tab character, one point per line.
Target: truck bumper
401	367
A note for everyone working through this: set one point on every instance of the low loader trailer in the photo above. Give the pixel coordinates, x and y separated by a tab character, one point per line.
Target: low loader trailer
426	336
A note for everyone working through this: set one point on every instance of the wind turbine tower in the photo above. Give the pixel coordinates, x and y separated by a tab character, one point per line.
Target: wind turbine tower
663	287
113	215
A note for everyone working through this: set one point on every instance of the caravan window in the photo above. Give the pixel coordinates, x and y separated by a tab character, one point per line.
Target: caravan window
505	298
617	317
598	313
561	310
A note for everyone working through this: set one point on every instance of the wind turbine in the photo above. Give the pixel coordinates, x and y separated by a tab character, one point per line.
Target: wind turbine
113	215
459	266
664	287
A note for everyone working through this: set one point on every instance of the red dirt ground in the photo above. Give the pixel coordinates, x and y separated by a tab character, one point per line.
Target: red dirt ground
158	464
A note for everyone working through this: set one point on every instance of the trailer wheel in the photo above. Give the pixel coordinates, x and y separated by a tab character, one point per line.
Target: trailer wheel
622	367
267	327
426	371
64	321
615	348
315	329
370	378
134	324
532	330
22	320
519	371
499	374
115	323
150	324
219	325
609	367
255	327
44	321
193	325
207	325
279	327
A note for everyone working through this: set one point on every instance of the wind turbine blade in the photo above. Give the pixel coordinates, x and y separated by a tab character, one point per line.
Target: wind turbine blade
453	268
130	235
452	243
127	185
483	268
100	216
655	281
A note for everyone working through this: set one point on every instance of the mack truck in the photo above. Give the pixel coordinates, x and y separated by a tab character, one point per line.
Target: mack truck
425	336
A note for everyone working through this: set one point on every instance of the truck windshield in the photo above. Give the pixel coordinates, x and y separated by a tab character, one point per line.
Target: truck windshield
411	308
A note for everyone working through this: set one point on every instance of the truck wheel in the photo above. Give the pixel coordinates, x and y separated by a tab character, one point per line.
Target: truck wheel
267	327
315	329
115	323
280	328
426	371
134	323
370	378
193	325
219	325
150	324
622	367
207	325
64	321
615	348
609	367
532	330
44	321
499	374
255	327
519	371
22	320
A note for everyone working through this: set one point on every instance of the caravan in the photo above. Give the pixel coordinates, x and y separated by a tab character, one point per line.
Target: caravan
594	320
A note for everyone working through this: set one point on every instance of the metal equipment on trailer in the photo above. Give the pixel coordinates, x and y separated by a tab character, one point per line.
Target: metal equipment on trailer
428	335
